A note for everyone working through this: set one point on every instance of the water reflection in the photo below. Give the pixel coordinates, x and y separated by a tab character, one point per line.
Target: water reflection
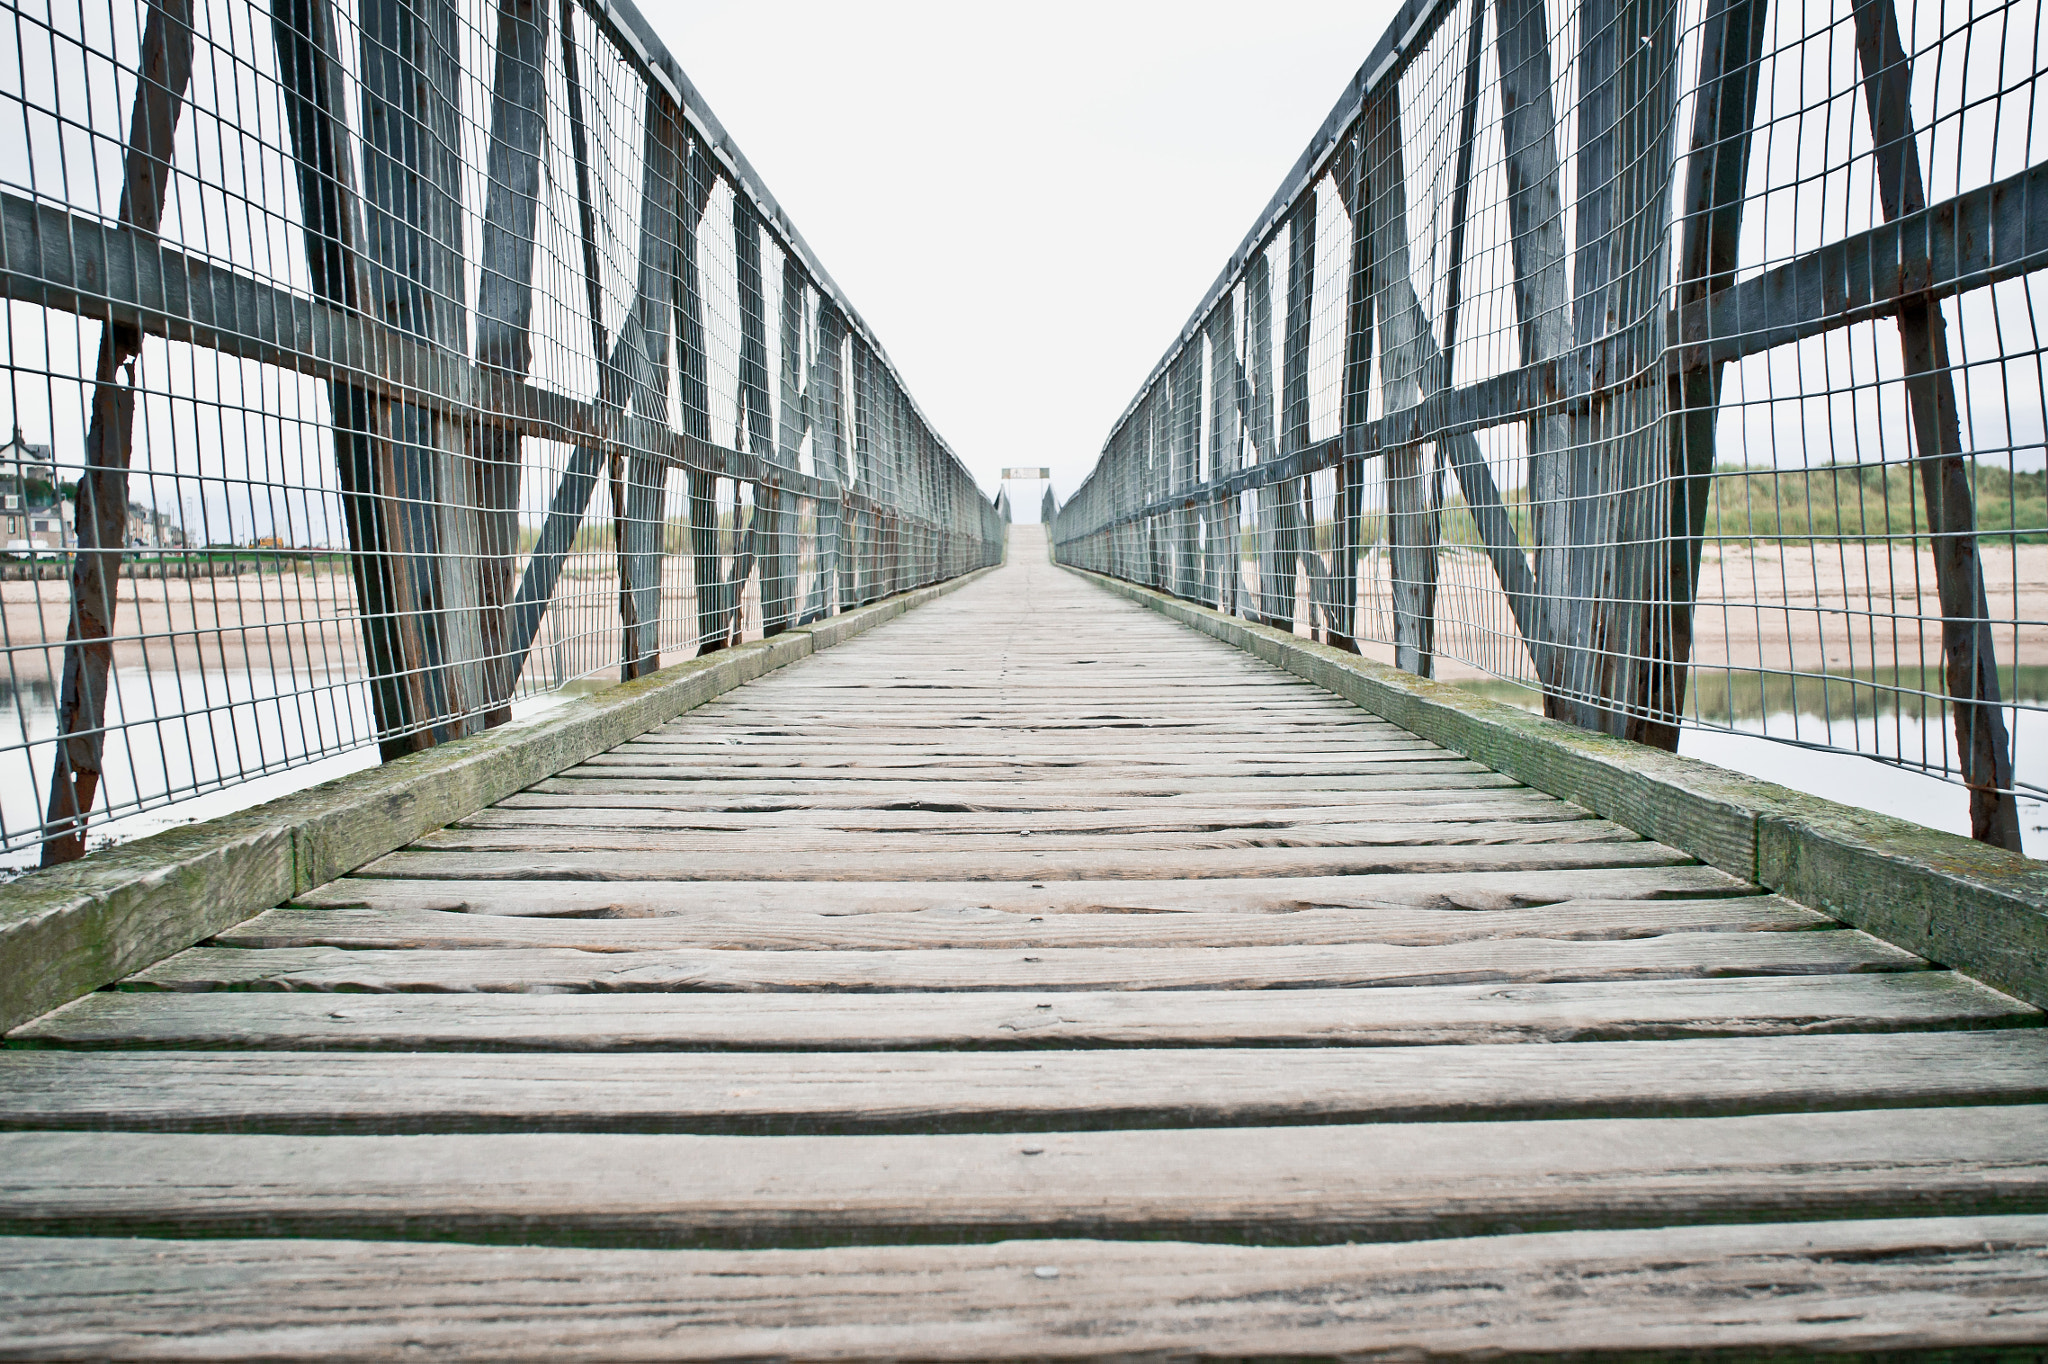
219	728
228	740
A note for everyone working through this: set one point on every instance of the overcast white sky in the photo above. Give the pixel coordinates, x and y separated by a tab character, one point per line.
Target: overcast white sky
1025	203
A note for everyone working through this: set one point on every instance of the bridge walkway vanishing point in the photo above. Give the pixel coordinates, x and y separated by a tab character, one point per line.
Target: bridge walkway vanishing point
1030	976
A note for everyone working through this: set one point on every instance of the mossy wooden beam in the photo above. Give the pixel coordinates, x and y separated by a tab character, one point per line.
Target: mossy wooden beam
1964	904
71	929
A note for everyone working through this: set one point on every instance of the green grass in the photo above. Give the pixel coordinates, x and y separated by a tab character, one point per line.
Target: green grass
1855	501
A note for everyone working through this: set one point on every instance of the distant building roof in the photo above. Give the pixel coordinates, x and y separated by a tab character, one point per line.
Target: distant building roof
19	451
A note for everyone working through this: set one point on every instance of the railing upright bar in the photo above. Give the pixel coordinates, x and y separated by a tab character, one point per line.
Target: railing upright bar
101	506
780	555
639	475
1983	747
1611	527
1412	515
412	206
309	68
1226	413
1295	522
1259	341
504	313
1717	172
590	458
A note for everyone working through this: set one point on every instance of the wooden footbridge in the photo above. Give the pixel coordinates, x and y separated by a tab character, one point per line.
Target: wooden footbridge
1030	976
898	948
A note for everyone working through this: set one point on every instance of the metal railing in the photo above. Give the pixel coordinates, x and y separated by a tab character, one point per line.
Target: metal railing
377	365
1678	361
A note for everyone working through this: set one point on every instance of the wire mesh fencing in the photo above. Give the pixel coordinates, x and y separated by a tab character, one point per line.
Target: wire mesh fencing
375	367
1673	363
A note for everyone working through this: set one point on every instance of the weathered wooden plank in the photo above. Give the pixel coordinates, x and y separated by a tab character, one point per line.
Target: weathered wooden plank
556	811
1674	956
918	685
1044	793
1252	758
1586	844
768	929
838	1092
1299	745
1276	1185
922	725
1460	892
1002	792
1452	826
1422	1015
1958	902
1968	1285
1027	710
741	764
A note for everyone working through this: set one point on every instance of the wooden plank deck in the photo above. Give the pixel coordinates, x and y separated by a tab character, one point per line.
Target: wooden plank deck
1031	976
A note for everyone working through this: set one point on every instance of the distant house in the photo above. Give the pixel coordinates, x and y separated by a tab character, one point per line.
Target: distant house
149	528
33	516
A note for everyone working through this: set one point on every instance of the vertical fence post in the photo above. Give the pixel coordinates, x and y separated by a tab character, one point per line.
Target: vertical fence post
780	558
504	309
861	568
1412	515
758	421
1717	171
1290	526
1535	202
1349	174
412	230
869	451
630	395
641	483
846	400
1983	749
587	459
1613	525
894	466
1225	416
891	451
611	368
1276	593
101	502
825	406
707	578
1187	458
378	251
1158	477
